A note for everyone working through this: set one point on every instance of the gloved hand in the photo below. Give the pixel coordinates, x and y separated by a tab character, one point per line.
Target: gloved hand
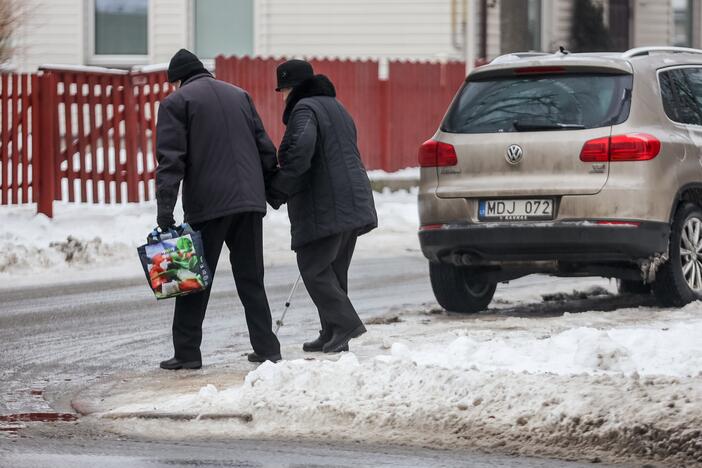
274	198
165	222
274	202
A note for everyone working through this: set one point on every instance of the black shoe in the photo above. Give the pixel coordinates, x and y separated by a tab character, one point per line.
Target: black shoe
253	357
340	339
175	364
318	344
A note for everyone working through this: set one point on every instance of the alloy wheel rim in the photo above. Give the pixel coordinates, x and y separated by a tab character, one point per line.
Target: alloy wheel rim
691	253
478	289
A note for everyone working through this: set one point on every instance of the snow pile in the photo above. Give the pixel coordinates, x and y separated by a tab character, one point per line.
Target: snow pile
631	392
671	350
86	235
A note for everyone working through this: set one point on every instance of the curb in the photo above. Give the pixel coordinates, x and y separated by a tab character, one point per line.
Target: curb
245	417
104	398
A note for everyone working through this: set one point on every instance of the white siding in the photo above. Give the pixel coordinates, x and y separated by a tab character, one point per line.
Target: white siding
493	30
653	23
561	18
170	28
360	28
51	32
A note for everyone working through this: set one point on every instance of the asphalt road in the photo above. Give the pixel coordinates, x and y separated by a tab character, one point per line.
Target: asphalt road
55	341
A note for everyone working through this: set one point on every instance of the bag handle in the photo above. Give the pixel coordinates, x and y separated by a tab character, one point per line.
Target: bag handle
157	235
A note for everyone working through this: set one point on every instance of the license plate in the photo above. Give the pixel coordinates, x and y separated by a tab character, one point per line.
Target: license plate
515	210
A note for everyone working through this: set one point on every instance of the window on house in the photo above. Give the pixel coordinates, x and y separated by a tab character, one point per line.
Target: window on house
682	23
121	27
223	27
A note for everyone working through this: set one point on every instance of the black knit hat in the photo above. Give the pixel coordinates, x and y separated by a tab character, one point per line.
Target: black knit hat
184	64
292	73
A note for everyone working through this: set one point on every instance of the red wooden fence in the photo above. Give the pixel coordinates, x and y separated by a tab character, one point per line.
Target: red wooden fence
418	97
393	116
83	135
18	102
88	135
105	134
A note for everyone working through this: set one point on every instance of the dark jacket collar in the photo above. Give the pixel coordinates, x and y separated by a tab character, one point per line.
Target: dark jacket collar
197	76
318	85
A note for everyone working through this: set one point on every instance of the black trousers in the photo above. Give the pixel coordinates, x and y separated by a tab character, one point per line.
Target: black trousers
324	266
243	234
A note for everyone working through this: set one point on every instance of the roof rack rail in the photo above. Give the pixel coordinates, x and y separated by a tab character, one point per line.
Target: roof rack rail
639	51
518	55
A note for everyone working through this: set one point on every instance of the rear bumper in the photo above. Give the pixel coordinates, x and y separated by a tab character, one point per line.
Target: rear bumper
476	244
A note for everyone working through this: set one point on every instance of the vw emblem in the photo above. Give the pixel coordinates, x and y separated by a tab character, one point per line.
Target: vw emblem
514	154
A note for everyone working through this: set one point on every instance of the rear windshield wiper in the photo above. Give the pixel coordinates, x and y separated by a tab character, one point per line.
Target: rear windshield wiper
522	126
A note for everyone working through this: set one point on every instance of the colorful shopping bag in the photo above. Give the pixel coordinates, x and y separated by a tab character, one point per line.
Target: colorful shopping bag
174	262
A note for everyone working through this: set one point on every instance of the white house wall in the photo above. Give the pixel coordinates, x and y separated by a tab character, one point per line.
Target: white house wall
51	31
493	30
57	31
360	28
653	22
170	28
560	18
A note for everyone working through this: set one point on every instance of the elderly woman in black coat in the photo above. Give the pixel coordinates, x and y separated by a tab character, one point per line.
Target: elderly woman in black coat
329	197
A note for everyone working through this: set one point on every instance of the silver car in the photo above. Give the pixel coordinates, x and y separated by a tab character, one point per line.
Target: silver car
569	165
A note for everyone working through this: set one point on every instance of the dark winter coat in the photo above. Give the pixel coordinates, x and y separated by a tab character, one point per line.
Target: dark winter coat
321	174
210	136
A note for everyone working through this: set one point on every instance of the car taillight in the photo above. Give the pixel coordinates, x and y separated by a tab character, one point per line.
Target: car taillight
595	150
629	147
538	70
634	147
437	154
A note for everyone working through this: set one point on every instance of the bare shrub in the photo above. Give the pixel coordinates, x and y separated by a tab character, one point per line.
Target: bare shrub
10	15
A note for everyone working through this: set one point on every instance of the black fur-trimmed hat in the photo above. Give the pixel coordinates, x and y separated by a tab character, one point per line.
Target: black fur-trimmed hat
292	73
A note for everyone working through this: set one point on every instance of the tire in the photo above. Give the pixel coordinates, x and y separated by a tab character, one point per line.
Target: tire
679	280
633	287
457	291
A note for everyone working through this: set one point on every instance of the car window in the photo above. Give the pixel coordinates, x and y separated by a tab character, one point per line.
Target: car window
694	80
571	100
682	96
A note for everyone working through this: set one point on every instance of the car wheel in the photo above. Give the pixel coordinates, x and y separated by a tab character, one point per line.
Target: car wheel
679	280
458	291
633	287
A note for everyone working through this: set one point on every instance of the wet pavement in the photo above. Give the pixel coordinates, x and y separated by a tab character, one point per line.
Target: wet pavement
56	341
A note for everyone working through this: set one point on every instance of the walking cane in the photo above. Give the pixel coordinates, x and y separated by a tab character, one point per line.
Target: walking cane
279	323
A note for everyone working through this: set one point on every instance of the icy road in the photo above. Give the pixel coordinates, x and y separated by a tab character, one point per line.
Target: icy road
585	377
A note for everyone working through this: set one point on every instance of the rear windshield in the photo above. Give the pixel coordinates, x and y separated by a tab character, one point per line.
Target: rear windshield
543	102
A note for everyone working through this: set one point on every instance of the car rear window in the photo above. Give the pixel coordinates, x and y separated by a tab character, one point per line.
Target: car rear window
571	100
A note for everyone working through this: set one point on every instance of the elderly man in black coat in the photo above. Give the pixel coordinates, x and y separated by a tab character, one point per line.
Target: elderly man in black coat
329	197
210	137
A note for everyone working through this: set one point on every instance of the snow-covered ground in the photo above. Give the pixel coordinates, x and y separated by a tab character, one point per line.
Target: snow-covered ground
84	238
617	386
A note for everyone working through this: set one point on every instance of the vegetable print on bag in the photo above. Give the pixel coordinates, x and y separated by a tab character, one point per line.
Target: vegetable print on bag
176	266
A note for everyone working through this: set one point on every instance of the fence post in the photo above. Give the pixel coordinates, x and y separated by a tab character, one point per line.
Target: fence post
44	111
384	124
130	137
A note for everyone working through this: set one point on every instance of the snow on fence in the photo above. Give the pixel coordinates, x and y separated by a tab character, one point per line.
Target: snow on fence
394	116
87	134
